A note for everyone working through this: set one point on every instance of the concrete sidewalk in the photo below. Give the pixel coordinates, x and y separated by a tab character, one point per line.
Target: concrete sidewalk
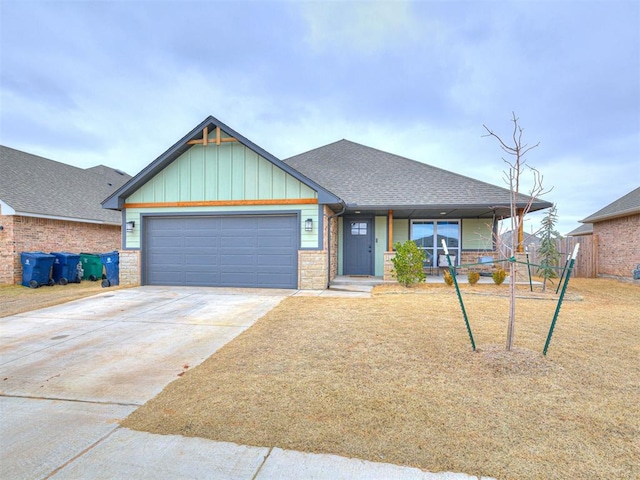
69	374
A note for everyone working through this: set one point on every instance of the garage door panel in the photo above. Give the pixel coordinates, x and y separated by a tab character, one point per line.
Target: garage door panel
237	241
168	258
238	251
273	277
238	260
201	278
279	241
275	261
204	261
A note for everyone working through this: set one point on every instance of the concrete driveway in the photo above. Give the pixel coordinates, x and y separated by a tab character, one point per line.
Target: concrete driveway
70	373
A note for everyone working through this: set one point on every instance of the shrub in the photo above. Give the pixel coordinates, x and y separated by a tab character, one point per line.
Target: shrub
473	277
448	279
498	276
408	263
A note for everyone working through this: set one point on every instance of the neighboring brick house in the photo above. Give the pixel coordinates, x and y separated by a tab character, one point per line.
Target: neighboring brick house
218	210
616	236
50	206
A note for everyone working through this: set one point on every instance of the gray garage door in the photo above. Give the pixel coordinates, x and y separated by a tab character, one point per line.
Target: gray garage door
225	251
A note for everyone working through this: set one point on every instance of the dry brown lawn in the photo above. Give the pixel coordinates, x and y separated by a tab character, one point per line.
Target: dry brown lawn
16	299
393	379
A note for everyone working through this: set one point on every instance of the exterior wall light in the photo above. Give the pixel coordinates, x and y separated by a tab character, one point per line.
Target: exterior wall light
308	225
130	226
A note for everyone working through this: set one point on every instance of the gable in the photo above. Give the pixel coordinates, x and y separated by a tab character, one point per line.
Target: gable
224	172
213	163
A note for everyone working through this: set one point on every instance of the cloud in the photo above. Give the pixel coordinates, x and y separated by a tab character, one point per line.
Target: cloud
359	27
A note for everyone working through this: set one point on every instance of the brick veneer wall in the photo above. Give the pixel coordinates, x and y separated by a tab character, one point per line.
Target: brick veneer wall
467	258
312	269
618	240
333	241
28	234
130	267
7	250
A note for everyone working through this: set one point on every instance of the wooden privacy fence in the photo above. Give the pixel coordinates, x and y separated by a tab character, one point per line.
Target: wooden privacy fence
586	264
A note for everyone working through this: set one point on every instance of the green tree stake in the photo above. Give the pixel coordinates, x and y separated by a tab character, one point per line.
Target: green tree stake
529	272
564	289
564	270
455	282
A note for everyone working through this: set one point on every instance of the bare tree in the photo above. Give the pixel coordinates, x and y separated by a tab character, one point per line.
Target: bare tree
519	205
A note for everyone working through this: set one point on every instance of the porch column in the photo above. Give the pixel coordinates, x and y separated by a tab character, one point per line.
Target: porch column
520	248
390	242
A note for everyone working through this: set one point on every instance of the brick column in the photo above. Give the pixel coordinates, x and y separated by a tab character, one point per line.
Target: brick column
129	267
312	270
388	266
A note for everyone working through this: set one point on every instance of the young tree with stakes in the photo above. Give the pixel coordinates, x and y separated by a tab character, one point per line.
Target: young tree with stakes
548	251
517	165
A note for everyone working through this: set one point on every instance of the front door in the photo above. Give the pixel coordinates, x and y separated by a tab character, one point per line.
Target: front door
358	246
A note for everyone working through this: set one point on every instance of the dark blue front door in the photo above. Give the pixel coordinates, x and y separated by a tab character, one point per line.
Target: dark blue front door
358	246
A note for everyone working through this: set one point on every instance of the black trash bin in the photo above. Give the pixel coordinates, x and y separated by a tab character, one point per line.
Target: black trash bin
111	262
65	267
36	269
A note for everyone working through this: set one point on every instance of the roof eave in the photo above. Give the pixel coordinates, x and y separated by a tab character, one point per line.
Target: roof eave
435	206
611	216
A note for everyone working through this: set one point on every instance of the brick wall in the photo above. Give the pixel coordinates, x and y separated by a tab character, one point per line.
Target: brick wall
467	258
312	269
387	266
618	240
333	241
7	249
28	234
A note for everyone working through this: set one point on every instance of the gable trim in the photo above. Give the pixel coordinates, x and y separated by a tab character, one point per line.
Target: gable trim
224	203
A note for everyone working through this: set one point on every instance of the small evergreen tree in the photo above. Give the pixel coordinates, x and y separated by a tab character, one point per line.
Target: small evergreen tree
548	251
408	263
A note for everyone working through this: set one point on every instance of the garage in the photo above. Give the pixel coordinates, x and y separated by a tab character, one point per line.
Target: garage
221	251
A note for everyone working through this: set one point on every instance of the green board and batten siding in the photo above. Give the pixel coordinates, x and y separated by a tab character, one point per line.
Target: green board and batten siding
228	172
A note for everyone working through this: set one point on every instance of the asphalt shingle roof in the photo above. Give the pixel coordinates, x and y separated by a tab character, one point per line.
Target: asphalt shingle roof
38	186
365	176
628	204
586	229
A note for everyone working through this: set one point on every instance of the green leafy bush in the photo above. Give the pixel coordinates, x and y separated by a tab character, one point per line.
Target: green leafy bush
473	277
499	276
408	263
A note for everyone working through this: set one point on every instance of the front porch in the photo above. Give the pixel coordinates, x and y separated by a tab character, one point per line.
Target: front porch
355	282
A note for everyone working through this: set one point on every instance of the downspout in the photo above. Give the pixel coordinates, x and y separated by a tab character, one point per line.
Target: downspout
329	218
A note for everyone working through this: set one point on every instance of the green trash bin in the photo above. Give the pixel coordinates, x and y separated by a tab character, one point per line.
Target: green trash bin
91	266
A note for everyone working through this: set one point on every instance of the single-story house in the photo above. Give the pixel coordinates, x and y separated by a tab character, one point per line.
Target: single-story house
216	209
615	234
51	207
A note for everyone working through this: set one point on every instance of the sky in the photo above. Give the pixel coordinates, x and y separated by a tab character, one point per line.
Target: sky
119	82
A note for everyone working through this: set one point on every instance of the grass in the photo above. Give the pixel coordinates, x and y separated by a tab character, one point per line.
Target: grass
393	378
18	299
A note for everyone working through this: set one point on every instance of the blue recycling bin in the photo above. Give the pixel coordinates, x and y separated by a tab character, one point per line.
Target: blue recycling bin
36	269
111	262
65	267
